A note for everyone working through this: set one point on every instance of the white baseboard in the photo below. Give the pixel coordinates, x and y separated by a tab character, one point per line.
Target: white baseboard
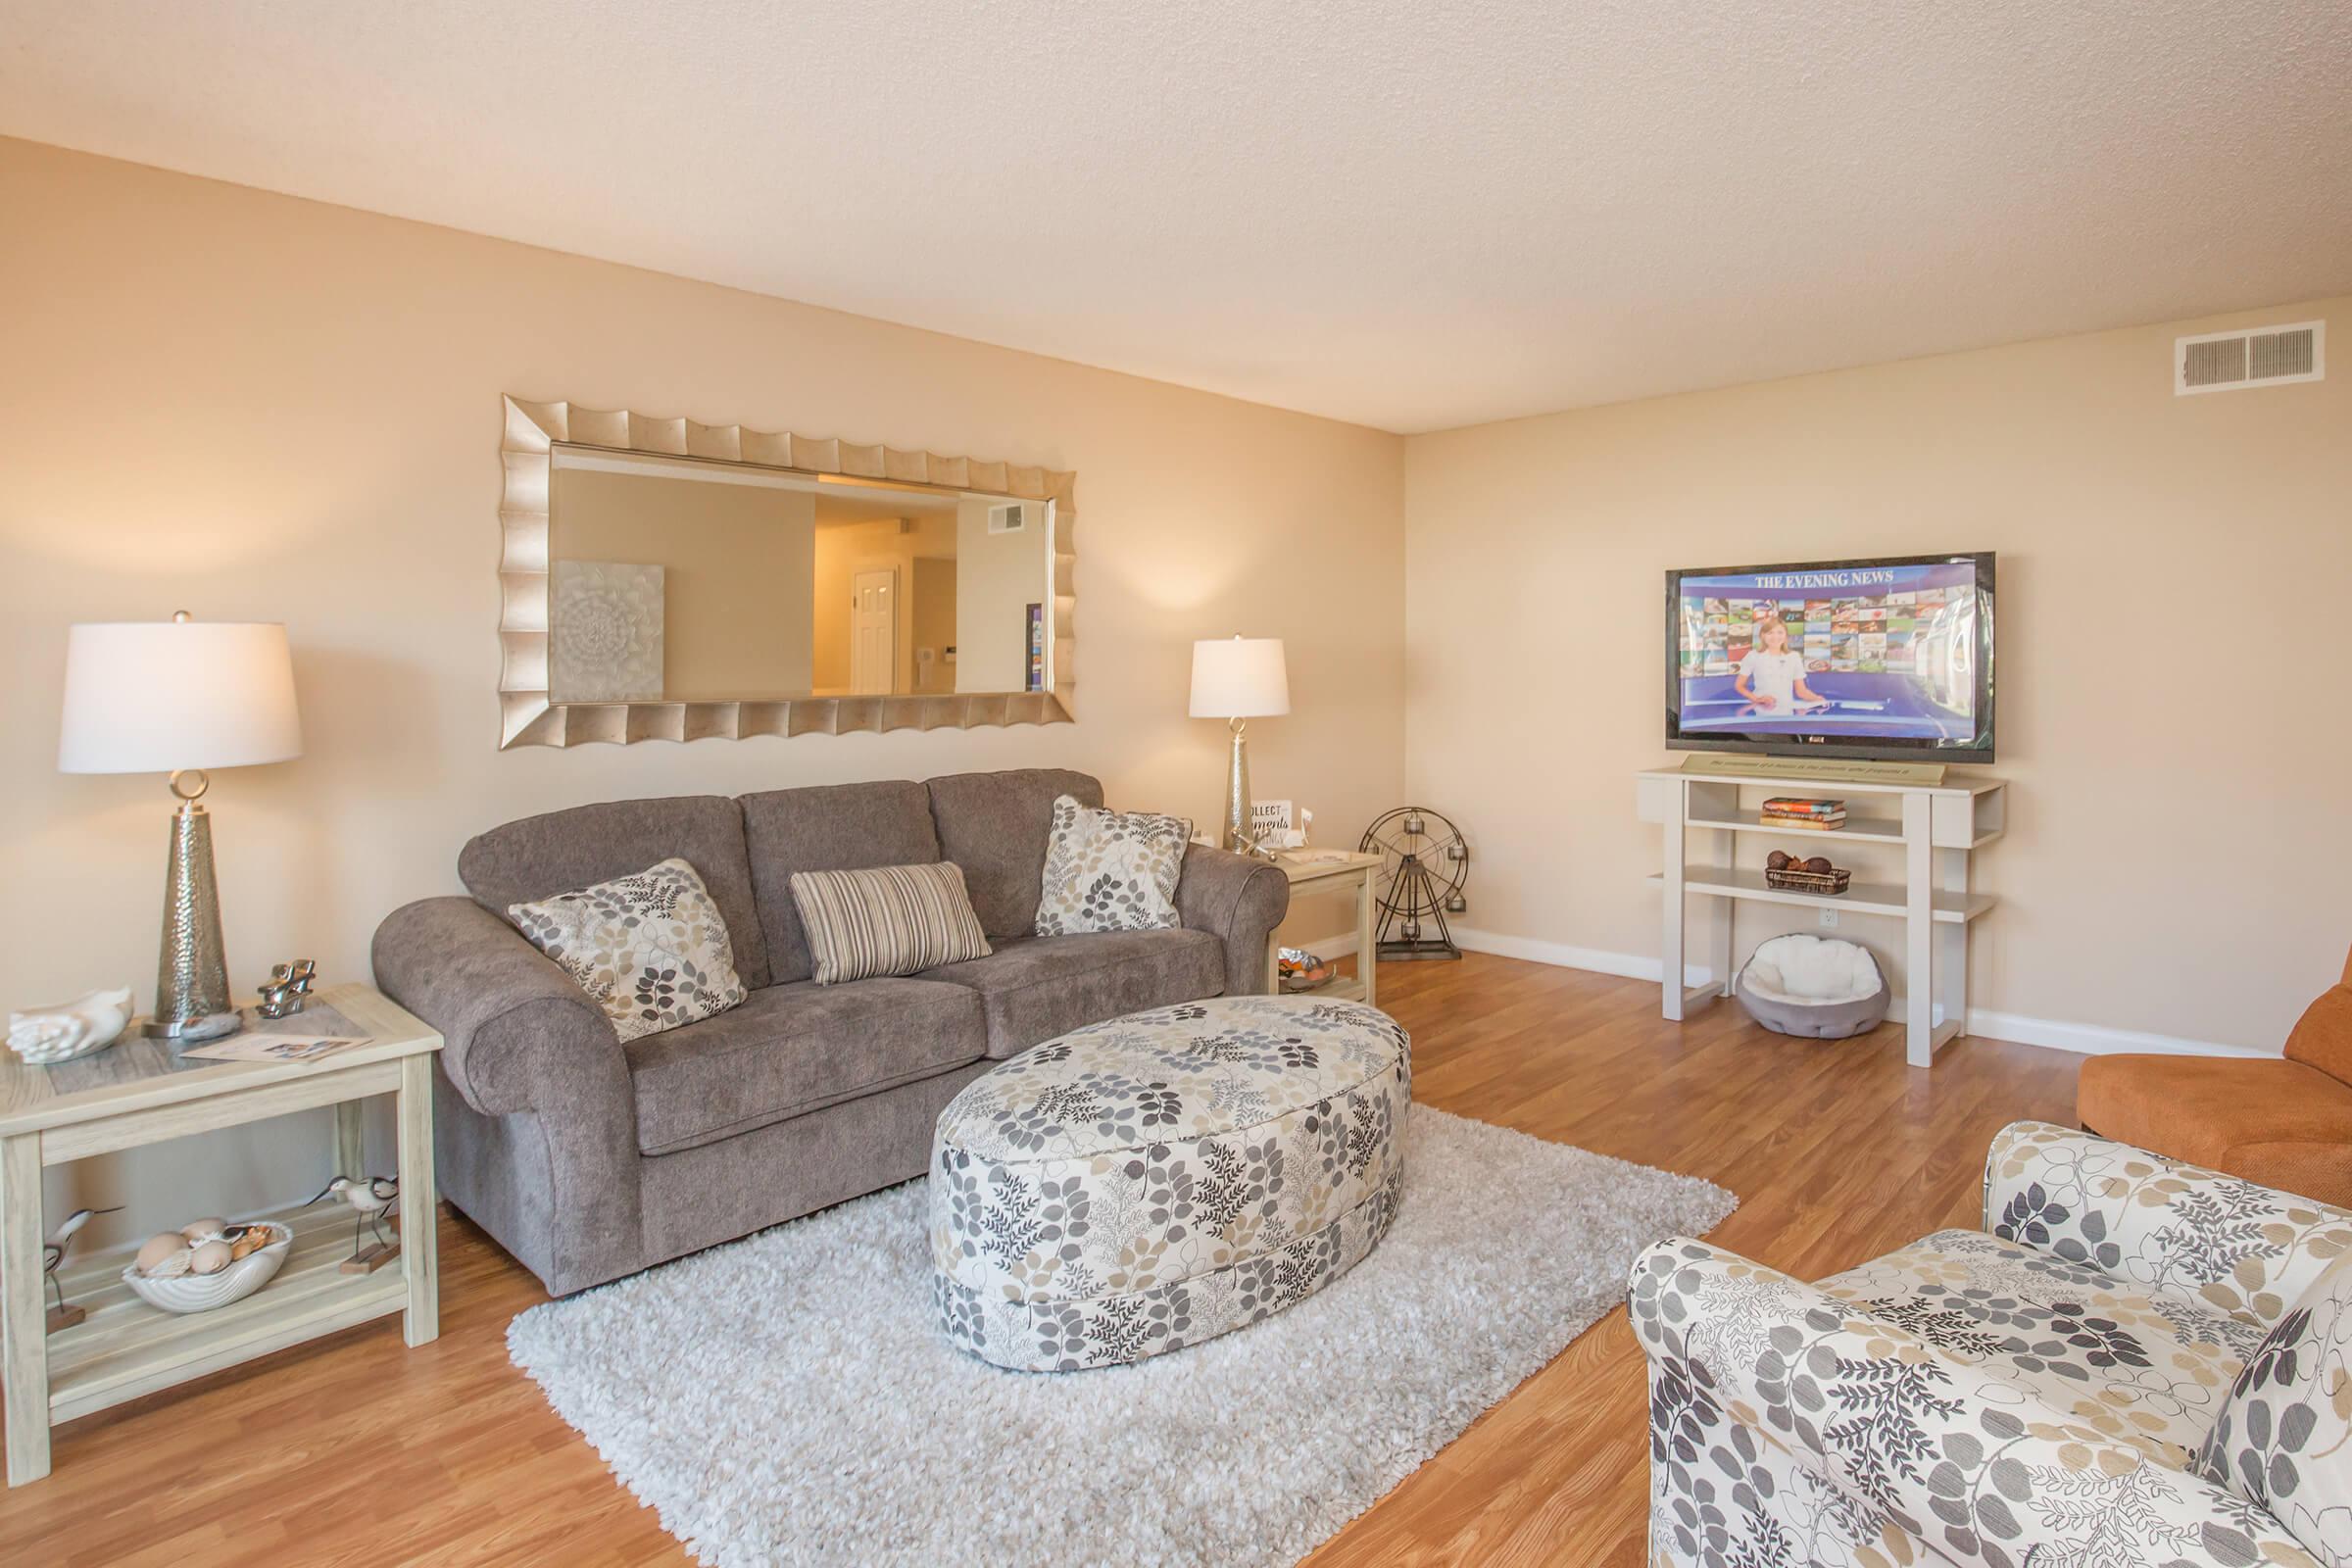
2086	1038
2095	1040
1628	965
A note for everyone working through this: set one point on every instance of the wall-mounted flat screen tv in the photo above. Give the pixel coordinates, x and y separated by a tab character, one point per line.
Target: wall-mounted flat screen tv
1888	659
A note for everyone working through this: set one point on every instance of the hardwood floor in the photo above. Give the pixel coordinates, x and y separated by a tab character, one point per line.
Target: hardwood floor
353	1450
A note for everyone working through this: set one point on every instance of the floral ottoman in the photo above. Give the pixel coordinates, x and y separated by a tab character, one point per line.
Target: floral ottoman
1143	1185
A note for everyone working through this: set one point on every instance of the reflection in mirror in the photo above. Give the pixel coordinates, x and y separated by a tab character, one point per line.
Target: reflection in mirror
675	580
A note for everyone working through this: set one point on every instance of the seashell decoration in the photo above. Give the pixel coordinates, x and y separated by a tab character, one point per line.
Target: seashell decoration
210	1264
46	1035
160	1250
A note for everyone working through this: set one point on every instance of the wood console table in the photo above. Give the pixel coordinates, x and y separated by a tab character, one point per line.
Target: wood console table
138	1092
1933	828
1337	870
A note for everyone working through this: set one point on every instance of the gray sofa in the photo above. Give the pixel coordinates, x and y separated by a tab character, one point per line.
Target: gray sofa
589	1159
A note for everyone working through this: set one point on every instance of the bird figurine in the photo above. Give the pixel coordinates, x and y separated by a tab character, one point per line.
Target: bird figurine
54	1247
46	1035
370	1198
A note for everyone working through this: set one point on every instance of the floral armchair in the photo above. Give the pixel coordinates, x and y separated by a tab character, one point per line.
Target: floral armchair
2134	1362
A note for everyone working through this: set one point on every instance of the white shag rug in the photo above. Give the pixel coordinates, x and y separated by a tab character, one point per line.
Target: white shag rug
789	1397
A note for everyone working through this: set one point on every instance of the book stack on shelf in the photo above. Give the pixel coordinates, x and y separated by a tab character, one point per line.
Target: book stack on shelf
1793	810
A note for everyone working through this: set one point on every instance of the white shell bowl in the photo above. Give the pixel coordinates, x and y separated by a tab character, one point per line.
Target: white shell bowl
202	1293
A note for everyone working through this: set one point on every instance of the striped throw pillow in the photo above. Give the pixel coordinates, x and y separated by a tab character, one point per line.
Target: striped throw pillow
889	919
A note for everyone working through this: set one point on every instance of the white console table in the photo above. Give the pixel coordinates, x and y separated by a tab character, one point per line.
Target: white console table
1924	834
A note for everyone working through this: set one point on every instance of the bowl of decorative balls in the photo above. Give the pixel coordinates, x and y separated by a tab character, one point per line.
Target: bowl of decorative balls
1794	873
206	1263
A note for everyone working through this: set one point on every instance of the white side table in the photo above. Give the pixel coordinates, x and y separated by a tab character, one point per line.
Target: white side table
139	1092
1354	867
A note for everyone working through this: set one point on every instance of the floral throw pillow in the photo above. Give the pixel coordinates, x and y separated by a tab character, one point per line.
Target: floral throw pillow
1110	870
650	948
2281	1439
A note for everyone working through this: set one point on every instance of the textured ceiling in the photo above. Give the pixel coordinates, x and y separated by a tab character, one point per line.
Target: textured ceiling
1403	213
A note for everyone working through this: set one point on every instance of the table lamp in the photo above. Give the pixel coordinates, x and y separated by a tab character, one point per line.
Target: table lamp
179	697
1238	679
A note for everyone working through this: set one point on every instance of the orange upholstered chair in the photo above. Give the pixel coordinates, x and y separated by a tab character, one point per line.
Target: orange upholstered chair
2284	1122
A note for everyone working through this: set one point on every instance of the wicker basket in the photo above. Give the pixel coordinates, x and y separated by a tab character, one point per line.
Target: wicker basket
1832	882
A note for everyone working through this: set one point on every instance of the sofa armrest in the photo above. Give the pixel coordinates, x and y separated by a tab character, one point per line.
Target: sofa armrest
1753	1371
2196	1234
517	1033
1240	902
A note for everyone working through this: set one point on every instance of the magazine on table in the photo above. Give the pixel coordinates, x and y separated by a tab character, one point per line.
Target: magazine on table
277	1045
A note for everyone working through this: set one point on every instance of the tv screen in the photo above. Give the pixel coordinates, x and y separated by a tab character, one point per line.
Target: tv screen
1889	658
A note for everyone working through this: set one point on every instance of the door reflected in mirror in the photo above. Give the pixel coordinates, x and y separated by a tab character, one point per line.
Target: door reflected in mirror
676	579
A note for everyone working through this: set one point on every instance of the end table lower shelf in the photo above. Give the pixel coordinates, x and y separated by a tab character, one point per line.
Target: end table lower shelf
125	1348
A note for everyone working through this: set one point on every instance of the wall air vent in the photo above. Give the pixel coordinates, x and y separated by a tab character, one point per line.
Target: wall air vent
2266	356
1011	518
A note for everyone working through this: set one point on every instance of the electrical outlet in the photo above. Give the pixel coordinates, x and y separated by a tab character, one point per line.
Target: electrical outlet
1828	919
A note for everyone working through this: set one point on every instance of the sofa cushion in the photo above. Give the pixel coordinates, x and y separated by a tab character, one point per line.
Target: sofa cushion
828	827
2144	1369
2283	1441
793	1048
994	826
2272	1121
561	851
1034	988
1109	870
886	920
651	949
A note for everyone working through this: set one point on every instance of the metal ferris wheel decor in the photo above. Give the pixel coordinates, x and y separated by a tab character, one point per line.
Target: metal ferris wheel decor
1424	862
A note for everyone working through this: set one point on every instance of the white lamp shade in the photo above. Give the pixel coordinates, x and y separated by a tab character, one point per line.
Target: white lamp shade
154	697
1239	677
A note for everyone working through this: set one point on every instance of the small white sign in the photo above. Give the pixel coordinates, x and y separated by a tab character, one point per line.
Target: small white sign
1269	816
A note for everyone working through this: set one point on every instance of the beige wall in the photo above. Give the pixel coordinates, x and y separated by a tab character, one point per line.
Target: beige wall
739	561
998	576
259	408
931	614
2175	599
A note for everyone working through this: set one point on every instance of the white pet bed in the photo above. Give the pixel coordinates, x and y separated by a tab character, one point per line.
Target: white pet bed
1817	987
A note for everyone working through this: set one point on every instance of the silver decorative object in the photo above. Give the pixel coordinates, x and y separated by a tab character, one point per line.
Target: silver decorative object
191	979
1237	794
531	716
288	989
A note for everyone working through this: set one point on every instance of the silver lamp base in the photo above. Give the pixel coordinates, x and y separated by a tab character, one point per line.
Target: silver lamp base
1238	836
193	1030
191	978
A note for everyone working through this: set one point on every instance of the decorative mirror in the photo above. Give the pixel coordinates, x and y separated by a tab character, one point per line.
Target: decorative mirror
668	580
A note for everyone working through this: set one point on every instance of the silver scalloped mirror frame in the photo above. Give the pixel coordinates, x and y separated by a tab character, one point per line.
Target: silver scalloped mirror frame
528	718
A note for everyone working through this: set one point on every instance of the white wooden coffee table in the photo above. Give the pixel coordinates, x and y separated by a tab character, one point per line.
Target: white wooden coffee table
138	1092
